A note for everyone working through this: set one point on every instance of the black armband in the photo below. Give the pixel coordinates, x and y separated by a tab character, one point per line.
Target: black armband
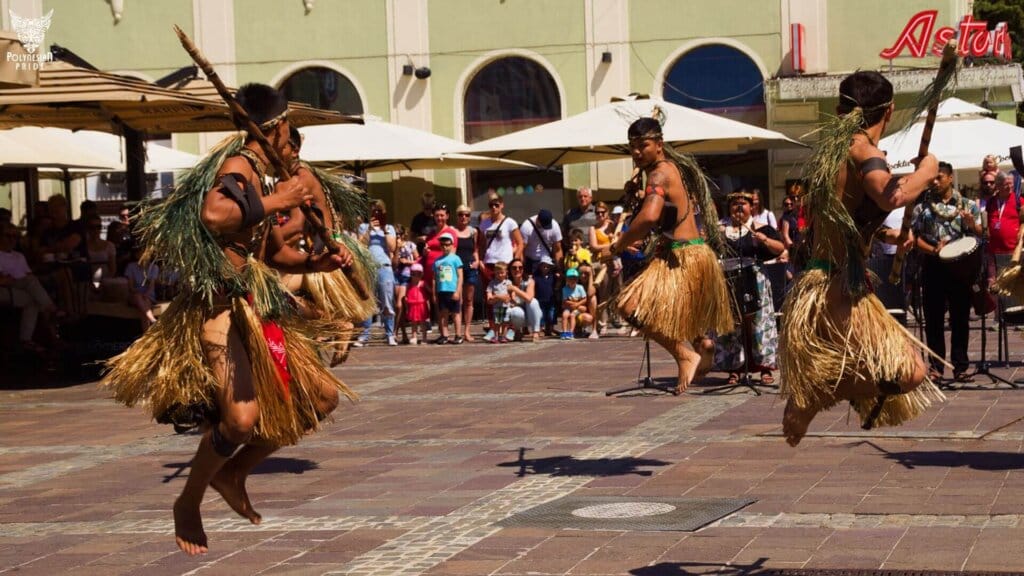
249	202
872	164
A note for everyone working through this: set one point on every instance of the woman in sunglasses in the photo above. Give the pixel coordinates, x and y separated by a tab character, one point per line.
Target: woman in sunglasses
525	310
499	241
466	250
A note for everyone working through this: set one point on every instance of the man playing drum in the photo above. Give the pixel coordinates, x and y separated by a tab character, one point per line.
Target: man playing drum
942	218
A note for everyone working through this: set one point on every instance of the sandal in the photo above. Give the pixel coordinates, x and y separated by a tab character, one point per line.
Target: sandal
963	377
766	377
734	379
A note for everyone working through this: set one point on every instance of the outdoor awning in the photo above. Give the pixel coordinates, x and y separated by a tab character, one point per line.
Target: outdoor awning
110	148
82	99
40	147
600	134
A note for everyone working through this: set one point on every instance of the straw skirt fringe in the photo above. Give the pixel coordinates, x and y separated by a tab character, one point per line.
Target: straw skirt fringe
167	368
819	351
680	295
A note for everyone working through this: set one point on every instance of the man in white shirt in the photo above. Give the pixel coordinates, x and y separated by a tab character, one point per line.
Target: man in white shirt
19	288
542	237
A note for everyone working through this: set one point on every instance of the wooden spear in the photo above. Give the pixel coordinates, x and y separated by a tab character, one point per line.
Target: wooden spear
242	120
946	69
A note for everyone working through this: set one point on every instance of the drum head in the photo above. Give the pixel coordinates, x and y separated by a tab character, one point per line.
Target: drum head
959	248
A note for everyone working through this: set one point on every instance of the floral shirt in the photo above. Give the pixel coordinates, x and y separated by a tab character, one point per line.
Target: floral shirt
937	221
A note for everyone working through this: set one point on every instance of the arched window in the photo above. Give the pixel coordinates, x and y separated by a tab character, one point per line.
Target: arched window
507	95
323	88
718	79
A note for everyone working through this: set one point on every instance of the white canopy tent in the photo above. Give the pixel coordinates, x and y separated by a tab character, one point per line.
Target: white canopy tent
378	146
600	134
964	134
107	149
43	148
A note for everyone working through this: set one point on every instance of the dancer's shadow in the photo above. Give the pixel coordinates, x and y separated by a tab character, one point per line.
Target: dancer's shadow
755	568
571	466
986	461
272	465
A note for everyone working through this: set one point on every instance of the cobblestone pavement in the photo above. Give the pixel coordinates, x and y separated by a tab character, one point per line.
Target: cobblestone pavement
446	442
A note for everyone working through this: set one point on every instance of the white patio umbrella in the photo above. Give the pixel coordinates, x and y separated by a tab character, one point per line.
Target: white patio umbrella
378	146
600	134
964	134
107	150
39	147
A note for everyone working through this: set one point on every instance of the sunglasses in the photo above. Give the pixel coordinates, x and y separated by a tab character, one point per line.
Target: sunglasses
494	204
466	214
515	267
600	212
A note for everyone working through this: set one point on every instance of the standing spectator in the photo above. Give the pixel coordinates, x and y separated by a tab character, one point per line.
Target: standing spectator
525	311
1003	215
943	216
19	288
582	217
544	280
986	189
499	299
416	312
585	320
423	225
142	287
574	303
467	249
788	228
542	236
382	241
448	289
500	241
602	234
762	215
405	257
433	250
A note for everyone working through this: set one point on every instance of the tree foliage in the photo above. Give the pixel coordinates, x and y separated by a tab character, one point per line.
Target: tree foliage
1011	12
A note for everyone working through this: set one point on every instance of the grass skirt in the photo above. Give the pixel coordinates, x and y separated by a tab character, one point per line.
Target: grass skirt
680	295
167	370
820	348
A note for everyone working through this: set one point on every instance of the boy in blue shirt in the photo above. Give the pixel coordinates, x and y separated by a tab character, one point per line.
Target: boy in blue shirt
544	291
447	289
574	302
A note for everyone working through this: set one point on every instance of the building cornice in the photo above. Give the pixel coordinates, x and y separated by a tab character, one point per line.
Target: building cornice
903	81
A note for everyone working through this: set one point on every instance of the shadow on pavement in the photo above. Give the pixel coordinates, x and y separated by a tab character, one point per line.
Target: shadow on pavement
687	568
989	461
272	465
571	466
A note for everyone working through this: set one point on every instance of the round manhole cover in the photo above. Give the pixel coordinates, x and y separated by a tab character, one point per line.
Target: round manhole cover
623	510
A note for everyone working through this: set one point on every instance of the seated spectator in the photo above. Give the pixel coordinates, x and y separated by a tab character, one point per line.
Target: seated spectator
544	283
101	254
499	299
120	235
525	311
577	253
760	213
19	288
142	287
587	281
574	304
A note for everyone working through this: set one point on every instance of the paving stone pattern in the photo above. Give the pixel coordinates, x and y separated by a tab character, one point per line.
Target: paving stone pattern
448	441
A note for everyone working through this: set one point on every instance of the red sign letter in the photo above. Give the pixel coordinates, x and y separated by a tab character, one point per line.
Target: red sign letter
923	22
968	46
942	37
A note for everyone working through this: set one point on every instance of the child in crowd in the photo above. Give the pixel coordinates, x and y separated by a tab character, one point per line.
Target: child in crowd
499	299
574	302
405	256
448	289
577	253
416	303
544	291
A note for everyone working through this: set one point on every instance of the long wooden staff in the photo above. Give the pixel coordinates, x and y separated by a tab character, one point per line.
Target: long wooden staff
946	68
242	120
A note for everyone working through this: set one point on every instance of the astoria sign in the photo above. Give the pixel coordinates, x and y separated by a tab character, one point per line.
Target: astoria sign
973	38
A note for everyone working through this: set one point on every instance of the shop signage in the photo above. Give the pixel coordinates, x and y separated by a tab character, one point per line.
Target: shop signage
973	38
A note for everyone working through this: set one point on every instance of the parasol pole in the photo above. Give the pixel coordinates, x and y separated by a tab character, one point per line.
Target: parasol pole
243	121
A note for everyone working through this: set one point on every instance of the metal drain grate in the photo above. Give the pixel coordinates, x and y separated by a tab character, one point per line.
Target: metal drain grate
641	514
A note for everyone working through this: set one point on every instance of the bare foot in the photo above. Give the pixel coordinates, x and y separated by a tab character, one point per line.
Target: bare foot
188	529
231	488
468	338
795	422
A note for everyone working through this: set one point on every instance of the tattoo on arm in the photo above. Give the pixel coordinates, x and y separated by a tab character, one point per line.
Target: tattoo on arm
657	182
